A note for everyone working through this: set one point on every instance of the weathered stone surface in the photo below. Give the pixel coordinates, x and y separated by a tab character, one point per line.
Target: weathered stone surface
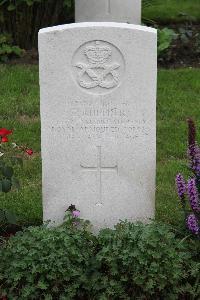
125	11
98	117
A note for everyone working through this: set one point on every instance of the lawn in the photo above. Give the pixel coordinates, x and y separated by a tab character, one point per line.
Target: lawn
171	11
178	98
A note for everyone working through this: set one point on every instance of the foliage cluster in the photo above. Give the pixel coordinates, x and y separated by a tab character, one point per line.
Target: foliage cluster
68	262
7	49
14	4
44	263
137	260
179	45
23	18
165	38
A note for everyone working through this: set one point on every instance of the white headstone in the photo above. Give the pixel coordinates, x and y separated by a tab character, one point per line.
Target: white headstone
98	117
125	11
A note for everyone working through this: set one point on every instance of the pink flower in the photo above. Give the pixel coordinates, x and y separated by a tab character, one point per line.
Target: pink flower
76	213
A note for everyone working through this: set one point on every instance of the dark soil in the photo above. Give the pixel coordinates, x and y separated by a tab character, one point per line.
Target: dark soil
8	231
29	57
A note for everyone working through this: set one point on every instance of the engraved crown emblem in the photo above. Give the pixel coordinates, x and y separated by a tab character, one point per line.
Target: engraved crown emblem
97	54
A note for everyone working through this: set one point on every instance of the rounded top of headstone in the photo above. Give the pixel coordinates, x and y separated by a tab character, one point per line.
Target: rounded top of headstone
97	25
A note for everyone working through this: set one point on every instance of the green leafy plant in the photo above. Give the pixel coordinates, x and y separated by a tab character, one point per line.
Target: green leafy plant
46	263
7	50
135	262
165	38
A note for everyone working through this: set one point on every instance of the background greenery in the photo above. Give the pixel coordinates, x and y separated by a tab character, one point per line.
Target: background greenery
22	19
171	11
178	98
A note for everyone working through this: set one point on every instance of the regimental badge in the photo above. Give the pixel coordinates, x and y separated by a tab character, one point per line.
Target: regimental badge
98	69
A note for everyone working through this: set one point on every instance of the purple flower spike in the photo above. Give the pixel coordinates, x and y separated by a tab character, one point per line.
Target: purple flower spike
76	213
192	224
194	155
181	186
193	195
196	160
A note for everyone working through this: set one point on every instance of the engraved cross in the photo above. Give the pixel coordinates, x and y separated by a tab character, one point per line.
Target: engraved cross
99	169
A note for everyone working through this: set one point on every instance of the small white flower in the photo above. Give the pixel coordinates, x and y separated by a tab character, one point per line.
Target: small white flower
14	145
1	154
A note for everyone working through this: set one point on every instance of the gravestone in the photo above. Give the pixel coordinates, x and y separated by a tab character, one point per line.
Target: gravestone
98	121
125	11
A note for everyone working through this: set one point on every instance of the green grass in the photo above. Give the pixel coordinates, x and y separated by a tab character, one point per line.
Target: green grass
178	98
176	11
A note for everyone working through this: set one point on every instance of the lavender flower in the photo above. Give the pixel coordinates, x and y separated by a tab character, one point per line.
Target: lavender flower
196	160
192	224
193	148
193	195
181	186
76	213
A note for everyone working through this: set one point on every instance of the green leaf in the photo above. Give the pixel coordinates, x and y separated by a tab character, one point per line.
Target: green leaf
2	2
10	217
67	3
6	185
29	2
1	188
42	285
8	172
11	7
17	51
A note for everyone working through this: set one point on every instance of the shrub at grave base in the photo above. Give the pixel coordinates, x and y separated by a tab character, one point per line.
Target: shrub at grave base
44	263
132	262
146	261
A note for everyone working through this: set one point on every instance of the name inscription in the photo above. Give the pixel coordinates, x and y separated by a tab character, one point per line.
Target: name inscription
100	121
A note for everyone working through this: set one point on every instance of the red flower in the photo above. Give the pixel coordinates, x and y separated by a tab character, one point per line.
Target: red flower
4	139
29	151
5	132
